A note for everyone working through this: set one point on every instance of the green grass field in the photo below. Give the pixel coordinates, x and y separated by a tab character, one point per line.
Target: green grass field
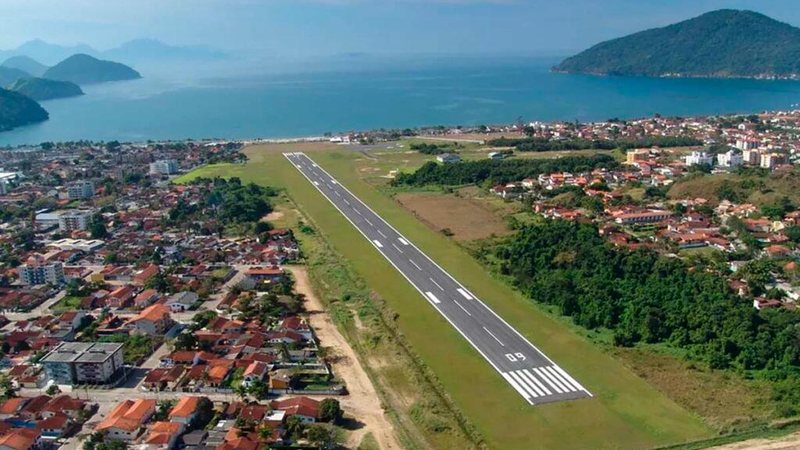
625	413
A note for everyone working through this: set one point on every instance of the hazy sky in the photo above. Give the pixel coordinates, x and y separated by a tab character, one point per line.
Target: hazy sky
324	27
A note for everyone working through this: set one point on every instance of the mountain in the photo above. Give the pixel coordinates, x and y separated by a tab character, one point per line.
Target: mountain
144	50
44	89
25	64
85	69
48	53
9	75
723	43
17	110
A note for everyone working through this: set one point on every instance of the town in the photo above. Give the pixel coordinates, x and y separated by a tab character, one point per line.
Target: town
141	312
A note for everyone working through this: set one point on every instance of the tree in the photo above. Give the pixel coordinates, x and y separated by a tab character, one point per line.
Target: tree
329	410
323	435
258	389
294	426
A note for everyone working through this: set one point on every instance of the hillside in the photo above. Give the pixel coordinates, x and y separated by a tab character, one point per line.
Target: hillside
723	43
9	75
25	64
17	110
44	89
85	69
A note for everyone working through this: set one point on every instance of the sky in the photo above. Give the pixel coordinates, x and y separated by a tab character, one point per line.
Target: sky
307	28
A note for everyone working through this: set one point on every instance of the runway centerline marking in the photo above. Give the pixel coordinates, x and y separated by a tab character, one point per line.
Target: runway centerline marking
396	247
462	308
495	337
437	284
414	264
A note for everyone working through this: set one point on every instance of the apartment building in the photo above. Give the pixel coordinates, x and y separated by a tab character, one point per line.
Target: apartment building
80	189
83	362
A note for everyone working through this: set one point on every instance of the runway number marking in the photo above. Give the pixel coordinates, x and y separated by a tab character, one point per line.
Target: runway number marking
514	357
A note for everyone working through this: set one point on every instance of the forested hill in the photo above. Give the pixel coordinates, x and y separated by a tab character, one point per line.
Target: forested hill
17	110
644	297
491	172
44	89
85	69
723	43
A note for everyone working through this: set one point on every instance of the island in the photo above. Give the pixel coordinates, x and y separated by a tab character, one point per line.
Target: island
720	44
85	69
26	64
44	89
17	110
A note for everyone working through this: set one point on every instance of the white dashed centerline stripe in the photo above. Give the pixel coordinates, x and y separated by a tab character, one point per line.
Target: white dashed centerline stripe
396	247
433	297
377	243
464	293
462	308
347	202
357	211
414	264
381	233
437	284
495	337
368	222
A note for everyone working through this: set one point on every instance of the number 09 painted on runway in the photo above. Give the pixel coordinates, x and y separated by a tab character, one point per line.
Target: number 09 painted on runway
514	357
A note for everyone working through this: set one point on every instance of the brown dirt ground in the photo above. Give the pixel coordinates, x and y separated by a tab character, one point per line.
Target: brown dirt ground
790	442
362	402
467	218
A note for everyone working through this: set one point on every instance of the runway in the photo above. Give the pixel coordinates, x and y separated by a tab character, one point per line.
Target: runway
533	375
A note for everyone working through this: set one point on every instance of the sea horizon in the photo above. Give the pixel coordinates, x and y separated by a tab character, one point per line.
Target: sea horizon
357	93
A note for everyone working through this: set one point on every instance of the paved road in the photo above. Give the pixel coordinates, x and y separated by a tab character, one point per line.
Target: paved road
526	369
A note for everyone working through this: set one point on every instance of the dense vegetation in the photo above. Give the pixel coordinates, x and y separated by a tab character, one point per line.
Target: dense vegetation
720	43
434	149
85	69
228	201
17	110
530	144
44	89
494	172
645	297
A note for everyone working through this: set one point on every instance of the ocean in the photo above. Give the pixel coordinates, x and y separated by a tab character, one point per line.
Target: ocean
360	95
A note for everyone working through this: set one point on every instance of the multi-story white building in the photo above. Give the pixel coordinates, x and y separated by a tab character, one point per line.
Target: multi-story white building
83	362
164	167
699	158
752	157
74	220
80	189
38	273
730	159
770	160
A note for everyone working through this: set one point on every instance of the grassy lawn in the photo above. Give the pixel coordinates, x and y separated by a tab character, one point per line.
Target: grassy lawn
67	303
626	411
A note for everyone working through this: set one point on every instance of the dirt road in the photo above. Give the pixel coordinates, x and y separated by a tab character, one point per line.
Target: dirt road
789	442
363	402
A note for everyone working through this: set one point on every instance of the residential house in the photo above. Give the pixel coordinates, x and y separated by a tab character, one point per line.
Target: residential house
127	419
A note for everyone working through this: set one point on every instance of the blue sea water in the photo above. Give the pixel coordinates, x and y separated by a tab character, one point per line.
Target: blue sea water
367	96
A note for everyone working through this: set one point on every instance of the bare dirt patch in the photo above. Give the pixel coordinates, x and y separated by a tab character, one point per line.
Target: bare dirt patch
362	402
466	218
790	442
